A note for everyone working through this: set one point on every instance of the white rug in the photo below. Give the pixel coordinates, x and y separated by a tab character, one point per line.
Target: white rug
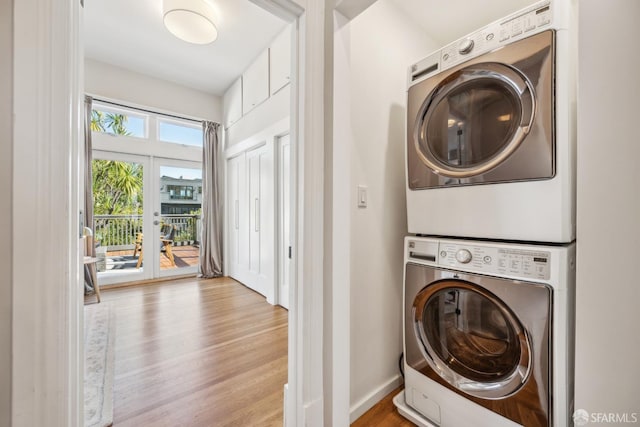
99	336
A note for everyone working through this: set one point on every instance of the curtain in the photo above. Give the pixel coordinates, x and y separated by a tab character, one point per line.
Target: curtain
90	247
211	239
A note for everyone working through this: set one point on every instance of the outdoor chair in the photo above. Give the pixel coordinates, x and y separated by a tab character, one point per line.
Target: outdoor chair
169	234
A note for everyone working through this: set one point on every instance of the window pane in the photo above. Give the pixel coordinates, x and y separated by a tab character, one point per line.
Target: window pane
179	133
118	122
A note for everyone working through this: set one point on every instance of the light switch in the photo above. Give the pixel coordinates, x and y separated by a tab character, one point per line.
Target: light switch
362	196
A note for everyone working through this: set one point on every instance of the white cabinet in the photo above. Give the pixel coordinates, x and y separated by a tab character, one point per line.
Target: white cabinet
255	83
233	103
251	219
280	61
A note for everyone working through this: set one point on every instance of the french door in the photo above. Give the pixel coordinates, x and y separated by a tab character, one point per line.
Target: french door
146	216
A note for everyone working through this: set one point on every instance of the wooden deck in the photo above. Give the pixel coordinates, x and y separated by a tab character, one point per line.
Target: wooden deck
197	353
184	256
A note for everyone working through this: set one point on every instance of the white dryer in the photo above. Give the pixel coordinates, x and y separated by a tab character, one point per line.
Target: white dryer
488	333
490	142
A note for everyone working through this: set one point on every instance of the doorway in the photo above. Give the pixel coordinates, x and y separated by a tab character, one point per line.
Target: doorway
137	196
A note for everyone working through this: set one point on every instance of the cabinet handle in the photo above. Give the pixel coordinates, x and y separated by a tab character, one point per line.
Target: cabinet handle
237	215
257	206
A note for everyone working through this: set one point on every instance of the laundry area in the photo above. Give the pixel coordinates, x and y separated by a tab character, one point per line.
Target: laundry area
458	241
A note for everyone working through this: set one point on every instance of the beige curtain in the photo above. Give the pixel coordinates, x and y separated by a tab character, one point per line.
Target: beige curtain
211	239
89	271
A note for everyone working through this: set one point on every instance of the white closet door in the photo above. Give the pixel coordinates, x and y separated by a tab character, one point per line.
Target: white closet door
236	217
261	221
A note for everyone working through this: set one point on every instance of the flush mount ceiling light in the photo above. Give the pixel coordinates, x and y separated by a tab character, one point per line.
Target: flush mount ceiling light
190	20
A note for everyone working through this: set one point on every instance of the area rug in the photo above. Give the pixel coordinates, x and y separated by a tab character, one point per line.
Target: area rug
99	337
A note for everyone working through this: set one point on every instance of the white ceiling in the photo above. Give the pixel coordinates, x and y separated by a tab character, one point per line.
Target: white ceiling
130	34
449	20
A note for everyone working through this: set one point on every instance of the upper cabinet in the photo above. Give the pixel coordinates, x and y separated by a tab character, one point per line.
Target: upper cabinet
280	64
255	82
233	103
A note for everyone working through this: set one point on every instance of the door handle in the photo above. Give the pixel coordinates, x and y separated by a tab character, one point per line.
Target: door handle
257	208
237	214
156	222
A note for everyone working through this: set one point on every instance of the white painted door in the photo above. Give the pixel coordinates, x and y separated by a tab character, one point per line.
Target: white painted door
236	217
121	212
177	201
284	216
261	220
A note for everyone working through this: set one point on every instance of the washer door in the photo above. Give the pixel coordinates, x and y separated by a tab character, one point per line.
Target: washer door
474	119
472	339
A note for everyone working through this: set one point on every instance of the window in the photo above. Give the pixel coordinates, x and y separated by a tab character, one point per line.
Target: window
180	192
116	121
179	132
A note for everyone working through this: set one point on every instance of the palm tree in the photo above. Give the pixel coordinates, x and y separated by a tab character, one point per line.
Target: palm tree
117	186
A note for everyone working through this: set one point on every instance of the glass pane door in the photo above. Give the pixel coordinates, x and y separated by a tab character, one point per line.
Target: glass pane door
119	210
177	217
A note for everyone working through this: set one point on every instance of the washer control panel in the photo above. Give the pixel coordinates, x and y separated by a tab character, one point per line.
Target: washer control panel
493	259
502	261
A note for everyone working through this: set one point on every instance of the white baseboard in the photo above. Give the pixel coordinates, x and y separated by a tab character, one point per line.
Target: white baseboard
366	403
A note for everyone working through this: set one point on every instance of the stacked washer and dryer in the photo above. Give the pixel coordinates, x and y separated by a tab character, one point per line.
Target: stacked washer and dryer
490	265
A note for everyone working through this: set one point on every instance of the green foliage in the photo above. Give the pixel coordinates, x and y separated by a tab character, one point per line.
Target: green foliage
117	187
109	123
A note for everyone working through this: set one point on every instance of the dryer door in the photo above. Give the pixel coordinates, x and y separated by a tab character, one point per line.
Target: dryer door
474	120
472	339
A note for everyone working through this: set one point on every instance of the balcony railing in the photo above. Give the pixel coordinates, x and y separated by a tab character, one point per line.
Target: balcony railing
119	231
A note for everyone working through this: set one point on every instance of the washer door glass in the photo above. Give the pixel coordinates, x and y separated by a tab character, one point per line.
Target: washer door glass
474	119
472	339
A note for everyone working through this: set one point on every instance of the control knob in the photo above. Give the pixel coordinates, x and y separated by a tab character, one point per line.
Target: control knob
463	256
465	46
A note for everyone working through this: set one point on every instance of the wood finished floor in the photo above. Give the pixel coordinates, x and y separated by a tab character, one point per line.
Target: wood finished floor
383	414
196	352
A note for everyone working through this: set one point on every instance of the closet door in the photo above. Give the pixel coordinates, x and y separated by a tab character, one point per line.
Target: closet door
261	220
237	217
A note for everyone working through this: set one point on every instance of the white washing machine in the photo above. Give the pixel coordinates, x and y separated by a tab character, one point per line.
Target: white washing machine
490	141
488	333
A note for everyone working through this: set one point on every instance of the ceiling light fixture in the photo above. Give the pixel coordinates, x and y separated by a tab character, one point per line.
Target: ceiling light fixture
190	20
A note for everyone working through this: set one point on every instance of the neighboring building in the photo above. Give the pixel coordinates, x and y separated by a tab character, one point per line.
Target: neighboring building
180	196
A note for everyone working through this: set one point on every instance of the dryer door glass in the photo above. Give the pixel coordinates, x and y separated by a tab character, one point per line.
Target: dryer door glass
472	338
474	119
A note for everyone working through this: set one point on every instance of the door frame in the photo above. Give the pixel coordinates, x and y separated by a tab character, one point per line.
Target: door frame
281	272
47	319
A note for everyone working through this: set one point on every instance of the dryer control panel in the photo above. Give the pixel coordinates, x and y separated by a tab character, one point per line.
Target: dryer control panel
518	25
494	259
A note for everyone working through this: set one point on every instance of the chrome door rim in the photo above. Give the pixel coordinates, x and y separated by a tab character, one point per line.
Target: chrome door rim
486	390
512	79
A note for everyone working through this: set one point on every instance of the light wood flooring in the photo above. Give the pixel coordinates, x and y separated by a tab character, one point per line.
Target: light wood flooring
196	352
383	414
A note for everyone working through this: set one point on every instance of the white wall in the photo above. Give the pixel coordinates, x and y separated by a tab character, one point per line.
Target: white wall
6	224
372	54
608	203
106	80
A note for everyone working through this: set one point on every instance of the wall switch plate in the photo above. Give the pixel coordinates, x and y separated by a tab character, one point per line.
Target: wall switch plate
362	196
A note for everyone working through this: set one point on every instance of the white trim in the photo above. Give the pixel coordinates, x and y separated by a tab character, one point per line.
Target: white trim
359	408
47	310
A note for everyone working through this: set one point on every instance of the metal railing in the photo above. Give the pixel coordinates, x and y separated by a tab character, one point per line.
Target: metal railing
119	231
